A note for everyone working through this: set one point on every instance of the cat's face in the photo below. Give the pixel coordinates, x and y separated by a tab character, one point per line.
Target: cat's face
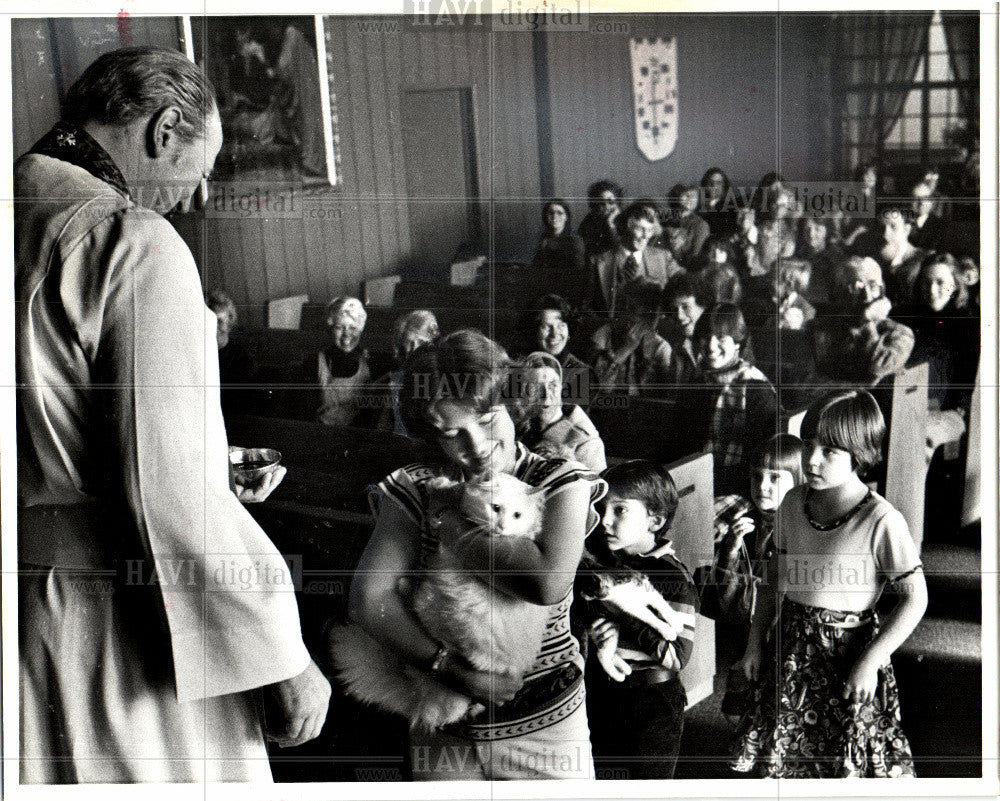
505	506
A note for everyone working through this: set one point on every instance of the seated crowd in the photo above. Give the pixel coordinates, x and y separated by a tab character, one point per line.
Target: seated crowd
734	317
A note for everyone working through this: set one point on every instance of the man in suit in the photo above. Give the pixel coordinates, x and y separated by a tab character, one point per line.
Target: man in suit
155	615
633	260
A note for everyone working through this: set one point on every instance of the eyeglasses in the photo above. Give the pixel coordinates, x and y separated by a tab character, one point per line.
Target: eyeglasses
866	287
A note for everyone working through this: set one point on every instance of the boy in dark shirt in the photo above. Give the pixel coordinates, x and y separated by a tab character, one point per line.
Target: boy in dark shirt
635	698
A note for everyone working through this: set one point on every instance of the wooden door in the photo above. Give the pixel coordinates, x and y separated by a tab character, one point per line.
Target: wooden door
441	180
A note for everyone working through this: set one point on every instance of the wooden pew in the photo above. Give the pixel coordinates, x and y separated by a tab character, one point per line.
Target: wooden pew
971	498
903	400
692	536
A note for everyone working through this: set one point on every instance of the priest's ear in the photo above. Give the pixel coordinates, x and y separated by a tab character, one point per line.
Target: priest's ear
163	130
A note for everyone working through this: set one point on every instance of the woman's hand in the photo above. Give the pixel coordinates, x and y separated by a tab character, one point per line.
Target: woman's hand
480	685
862	682
259	492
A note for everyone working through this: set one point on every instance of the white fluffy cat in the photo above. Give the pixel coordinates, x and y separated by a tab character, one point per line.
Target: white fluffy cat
489	629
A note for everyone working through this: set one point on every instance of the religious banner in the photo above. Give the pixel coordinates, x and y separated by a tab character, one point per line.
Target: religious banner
654	88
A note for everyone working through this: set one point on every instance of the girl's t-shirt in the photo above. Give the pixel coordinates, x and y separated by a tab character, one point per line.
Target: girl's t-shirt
843	569
553	686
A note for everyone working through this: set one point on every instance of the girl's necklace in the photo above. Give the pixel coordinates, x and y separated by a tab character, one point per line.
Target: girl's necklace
831	525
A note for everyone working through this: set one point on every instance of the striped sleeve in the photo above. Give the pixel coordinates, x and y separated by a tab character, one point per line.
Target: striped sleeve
673	581
405	487
553	475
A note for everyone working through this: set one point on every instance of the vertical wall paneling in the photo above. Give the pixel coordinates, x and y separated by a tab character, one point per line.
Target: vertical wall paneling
273	256
291	236
35	98
394	60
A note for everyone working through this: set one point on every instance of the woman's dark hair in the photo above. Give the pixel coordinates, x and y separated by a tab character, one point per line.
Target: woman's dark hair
546	303
706	179
556	201
597	189
465	367
960	299
765	195
724	319
134	82
851	421
649	483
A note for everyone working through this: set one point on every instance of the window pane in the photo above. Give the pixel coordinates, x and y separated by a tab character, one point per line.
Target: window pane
895	136
939	101
939	67
937	129
914	101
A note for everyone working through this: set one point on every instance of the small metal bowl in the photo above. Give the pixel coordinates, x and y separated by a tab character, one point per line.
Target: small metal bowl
252	464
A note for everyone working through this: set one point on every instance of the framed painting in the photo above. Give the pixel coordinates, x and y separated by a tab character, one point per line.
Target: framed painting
275	96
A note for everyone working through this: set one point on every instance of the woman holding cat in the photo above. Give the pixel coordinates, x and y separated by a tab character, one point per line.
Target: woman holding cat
455	397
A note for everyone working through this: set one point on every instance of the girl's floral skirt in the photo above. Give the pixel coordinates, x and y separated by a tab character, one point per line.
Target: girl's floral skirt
800	726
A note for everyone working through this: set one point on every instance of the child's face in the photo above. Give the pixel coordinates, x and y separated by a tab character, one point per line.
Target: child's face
629	525
686	312
826	467
768	488
689	200
719	351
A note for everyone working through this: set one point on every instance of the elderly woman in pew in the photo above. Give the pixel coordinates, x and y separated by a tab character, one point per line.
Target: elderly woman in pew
409	332
335	381
548	425
946	331
559	249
